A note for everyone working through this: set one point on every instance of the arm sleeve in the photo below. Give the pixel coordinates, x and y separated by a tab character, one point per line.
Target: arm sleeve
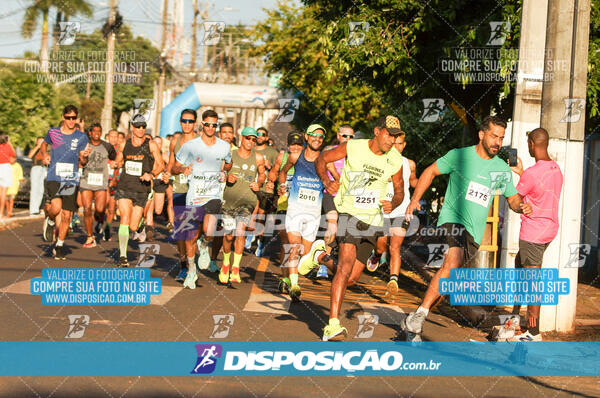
228	156
446	163
525	183
112	154
47	139
182	154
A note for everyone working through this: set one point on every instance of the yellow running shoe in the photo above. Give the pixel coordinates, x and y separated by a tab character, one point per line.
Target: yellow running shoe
234	276
224	274
334	331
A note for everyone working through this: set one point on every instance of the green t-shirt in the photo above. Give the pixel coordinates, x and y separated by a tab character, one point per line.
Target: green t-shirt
473	182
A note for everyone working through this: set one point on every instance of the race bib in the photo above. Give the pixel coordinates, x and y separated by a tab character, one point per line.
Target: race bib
308	197
478	193
64	170
206	187
95	178
228	223
133	168
367	200
183	179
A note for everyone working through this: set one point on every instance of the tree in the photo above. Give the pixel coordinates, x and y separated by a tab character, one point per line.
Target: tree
135	57
42	7
30	107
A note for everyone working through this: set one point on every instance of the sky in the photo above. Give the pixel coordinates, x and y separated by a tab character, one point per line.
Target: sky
144	16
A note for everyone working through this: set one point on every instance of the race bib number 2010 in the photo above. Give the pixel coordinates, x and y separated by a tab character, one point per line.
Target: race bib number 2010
478	193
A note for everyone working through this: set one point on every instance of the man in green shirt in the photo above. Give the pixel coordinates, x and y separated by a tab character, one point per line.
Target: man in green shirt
473	182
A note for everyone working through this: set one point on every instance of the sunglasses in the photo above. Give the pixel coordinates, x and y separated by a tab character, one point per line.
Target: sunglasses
316	135
261	134
139	125
349	136
213	125
251	138
70	117
187	121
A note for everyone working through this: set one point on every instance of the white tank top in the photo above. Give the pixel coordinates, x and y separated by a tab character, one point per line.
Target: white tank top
400	210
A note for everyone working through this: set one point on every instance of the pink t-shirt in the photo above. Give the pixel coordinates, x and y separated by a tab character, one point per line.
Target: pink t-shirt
540	186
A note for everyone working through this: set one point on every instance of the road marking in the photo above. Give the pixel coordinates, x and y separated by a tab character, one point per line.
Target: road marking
264	296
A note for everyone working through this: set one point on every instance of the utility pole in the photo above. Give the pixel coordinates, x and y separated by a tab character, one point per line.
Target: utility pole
551	90
106	119
163	64
194	40
563	116
204	16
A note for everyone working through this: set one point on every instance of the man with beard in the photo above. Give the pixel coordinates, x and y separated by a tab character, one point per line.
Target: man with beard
466	205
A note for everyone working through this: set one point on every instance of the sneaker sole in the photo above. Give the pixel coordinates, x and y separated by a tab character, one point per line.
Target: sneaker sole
392	288
404	327
342	335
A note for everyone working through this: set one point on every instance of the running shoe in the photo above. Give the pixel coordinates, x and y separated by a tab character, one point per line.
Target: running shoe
373	261
76	219
190	280
248	243
284	285
322	274
107	236
307	262
149	233
90	242
259	248
295	293
224	274
234	276
123	263
213	267
181	275
203	255
98	228
58	253
383	259
413	323
392	287
48	230
526	337
142	236
334	331
170	227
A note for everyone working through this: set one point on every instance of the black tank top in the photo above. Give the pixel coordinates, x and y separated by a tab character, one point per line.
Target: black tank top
137	160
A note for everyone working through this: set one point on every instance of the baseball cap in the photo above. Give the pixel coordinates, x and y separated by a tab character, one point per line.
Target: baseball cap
295	138
314	127
391	124
138	118
247	131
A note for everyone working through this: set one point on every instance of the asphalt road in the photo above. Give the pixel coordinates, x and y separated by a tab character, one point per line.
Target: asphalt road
259	314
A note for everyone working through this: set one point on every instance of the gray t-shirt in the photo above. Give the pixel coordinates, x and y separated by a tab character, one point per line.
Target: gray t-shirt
94	176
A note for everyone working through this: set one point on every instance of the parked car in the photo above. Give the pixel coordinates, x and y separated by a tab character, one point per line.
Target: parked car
22	198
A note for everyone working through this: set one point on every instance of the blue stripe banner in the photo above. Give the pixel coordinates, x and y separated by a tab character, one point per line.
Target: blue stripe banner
243	358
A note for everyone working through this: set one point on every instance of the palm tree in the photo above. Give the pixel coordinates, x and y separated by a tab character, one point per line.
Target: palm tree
42	7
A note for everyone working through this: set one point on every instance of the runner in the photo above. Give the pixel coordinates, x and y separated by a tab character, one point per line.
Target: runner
202	160
70	148
245	178
466	204
540	185
94	183
304	204
160	185
266	198
113	176
345	133
398	225
187	120
361	202
227	135
141	161
295	143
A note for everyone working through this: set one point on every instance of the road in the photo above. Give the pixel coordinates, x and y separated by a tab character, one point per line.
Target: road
259	314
